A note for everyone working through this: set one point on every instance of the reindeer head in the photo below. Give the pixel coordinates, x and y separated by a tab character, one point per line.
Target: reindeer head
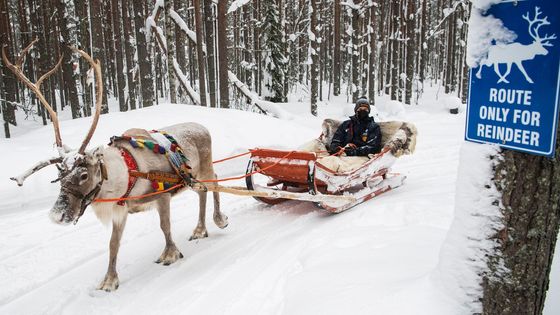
80	174
540	43
80	179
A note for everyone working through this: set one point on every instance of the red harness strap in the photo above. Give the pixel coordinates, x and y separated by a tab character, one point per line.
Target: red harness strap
132	166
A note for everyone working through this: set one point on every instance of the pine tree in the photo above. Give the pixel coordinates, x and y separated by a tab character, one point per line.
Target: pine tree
273	55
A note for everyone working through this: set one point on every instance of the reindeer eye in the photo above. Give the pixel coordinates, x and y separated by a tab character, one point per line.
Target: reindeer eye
84	176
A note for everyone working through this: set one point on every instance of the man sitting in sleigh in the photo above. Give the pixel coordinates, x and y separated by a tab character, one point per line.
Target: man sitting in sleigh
358	136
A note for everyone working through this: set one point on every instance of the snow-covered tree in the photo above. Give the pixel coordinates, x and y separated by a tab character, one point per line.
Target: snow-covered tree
273	55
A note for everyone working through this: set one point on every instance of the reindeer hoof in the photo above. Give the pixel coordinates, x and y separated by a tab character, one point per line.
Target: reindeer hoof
221	221
109	284
169	256
198	234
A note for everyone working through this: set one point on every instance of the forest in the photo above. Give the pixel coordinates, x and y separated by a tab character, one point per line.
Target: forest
230	54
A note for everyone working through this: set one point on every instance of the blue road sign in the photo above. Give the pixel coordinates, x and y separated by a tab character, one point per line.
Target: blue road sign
514	93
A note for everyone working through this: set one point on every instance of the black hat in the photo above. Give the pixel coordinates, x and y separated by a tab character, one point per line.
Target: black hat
362	102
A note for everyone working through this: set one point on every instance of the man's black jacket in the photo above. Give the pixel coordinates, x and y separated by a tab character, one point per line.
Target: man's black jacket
364	134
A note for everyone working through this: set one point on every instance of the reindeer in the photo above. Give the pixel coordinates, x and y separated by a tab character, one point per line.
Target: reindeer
516	53
101	173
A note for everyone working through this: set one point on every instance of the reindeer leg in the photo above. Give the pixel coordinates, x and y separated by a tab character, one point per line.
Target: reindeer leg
170	253
220	219
200	230
519	65
111	281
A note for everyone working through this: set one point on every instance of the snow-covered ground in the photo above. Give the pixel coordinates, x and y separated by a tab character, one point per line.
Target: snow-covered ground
380	257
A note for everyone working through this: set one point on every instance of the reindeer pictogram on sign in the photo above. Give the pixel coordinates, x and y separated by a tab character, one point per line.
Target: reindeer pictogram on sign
516	53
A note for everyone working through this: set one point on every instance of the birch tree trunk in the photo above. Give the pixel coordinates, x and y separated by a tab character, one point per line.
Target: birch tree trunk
117	36
199	53
129	52
98	49
210	51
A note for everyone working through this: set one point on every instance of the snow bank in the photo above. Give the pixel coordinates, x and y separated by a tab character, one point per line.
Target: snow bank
477	217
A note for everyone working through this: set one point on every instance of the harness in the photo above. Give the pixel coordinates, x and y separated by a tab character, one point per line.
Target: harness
164	144
132	166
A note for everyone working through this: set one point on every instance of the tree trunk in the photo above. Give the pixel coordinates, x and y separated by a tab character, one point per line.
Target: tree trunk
199	53
67	26
171	51
82	13
314	58
336	52
129	52
146	76
394	51
223	53
98	49
180	43
372	55
356	71
410	50
9	80
210	51
117	39
530	188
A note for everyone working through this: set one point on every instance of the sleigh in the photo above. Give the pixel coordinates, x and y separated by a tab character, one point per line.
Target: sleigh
274	176
294	174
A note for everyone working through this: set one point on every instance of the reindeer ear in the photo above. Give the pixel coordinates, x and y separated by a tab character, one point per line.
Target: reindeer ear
98	153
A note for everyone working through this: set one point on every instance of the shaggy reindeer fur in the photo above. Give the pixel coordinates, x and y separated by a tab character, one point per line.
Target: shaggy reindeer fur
197	146
399	136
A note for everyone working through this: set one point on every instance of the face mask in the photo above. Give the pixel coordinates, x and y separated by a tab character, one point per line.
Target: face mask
362	115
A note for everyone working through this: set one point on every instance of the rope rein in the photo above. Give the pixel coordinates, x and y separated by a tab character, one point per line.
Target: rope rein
122	199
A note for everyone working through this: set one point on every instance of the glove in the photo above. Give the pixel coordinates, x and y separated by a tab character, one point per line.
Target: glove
350	151
335	150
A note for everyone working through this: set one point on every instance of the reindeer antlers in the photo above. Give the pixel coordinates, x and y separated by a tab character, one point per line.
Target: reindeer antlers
98	96
540	22
36	87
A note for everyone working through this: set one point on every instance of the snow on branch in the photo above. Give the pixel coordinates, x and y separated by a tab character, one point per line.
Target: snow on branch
236	5
151	20
184	27
266	107
185	83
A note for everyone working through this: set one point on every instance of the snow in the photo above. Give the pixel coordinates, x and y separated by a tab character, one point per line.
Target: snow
236	4
399	253
468	242
485	31
183	26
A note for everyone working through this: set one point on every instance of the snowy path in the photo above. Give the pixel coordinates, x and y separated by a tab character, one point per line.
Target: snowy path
377	258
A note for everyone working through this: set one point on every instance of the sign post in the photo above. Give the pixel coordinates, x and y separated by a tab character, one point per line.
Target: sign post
514	93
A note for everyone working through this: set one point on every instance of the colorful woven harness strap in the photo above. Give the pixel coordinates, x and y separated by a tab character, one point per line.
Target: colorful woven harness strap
132	166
